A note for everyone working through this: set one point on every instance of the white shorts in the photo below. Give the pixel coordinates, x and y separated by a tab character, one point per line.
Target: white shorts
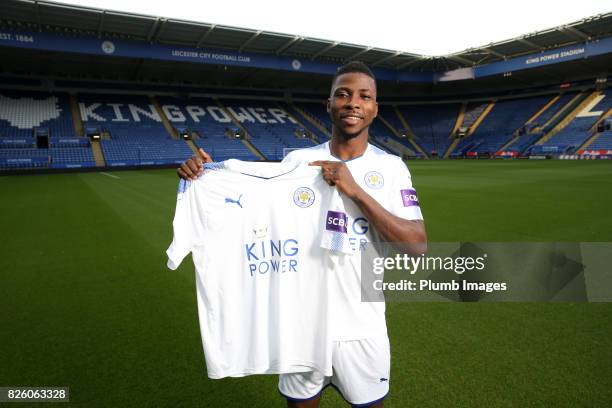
361	371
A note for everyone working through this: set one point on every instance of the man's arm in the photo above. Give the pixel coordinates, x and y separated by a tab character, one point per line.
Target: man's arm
409	235
191	169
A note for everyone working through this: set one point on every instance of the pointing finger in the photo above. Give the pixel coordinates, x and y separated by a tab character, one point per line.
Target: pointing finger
206	158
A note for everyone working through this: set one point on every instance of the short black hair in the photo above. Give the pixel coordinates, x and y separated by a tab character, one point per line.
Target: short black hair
354	67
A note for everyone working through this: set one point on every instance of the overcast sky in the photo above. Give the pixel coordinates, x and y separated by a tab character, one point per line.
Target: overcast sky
422	27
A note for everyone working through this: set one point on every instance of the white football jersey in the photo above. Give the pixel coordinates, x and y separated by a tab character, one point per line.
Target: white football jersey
386	178
256	232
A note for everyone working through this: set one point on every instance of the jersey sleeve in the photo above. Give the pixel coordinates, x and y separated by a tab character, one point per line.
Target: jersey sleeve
335	233
403	199
187	218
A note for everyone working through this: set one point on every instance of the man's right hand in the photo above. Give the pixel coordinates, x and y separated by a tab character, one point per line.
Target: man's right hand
192	168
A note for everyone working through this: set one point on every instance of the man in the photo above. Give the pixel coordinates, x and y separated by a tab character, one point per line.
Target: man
376	186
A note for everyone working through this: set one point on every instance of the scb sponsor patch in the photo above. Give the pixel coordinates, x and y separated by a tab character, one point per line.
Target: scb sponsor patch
409	197
336	221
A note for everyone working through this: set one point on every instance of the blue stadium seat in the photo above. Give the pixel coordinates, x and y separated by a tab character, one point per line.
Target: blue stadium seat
270	126
23	115
432	125
500	125
580	128
209	122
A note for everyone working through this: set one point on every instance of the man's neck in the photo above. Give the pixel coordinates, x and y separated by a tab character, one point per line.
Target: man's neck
347	149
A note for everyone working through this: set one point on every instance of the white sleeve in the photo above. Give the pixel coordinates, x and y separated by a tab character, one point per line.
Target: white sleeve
185	224
403	199
335	233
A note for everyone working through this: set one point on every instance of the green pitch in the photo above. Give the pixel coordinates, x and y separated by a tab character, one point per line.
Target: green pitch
86	300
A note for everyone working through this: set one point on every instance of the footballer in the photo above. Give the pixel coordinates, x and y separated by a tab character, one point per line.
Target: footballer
382	206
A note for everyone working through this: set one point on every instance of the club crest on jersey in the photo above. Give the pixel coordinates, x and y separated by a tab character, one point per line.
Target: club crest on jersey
374	179
303	197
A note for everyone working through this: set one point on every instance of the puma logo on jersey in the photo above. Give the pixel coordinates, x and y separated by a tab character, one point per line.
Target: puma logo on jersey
232	201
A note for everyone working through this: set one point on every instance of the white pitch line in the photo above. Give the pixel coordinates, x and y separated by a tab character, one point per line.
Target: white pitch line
110	175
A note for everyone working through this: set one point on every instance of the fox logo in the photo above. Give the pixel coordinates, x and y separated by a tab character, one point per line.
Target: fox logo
232	201
27	113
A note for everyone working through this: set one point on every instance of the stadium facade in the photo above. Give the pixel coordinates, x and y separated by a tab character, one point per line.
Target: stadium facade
90	88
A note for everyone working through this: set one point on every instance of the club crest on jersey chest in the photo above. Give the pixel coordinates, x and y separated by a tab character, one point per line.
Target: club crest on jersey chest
374	180
303	197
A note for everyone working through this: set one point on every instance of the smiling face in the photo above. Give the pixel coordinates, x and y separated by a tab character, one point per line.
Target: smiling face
352	104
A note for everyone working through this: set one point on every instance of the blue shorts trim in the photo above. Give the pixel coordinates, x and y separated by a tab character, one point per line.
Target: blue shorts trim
291	399
364	405
369	404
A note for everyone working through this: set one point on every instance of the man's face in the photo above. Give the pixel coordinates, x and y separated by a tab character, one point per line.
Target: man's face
352	104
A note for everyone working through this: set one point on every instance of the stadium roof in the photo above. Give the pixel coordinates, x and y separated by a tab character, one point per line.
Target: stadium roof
55	17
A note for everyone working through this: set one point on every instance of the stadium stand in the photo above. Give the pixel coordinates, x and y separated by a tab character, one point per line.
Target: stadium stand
24	158
136	135
23	111
432	125
534	131
319	135
71	157
553	109
144	130
271	128
211	125
475	93
380	132
317	111
389	114
36	131
505	120
522	142
603	141
473	111
576	132
575	99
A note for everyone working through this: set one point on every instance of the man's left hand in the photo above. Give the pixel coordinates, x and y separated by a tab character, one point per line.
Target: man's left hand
337	174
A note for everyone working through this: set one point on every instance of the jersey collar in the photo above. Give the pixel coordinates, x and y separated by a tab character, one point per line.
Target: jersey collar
349	160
